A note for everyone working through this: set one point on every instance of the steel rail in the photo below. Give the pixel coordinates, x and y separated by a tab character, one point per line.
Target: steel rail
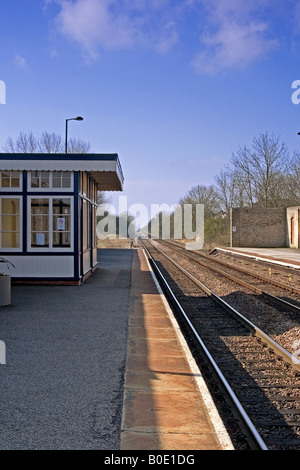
289	358
242	270
255	289
259	442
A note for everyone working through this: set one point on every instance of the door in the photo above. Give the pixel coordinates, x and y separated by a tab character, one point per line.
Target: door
292	230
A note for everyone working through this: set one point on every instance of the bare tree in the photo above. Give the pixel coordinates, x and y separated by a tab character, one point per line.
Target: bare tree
24	143
261	173
270	161
293	185
47	143
50	143
202	194
226	188
78	146
243	175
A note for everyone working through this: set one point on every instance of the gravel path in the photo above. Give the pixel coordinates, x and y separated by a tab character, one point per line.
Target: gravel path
62	384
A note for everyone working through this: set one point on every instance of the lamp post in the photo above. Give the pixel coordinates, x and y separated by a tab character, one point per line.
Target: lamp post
78	118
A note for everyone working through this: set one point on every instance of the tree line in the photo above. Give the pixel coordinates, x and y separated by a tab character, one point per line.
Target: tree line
47	142
265	174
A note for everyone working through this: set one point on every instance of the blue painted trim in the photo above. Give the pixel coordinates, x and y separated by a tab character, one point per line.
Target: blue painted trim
25	222
76	223
60	156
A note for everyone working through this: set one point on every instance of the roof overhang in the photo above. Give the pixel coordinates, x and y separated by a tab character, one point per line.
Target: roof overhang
105	169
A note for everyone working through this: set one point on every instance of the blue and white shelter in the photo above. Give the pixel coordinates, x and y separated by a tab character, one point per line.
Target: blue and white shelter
48	208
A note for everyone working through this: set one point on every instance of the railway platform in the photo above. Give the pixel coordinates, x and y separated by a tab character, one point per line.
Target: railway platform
101	366
166	403
288	257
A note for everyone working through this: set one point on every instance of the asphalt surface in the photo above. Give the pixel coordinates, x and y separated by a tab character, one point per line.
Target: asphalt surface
62	384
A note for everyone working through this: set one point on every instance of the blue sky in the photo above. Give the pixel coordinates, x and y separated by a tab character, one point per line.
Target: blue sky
174	87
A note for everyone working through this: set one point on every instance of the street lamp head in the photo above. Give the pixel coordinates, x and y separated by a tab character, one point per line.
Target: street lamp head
78	118
298	133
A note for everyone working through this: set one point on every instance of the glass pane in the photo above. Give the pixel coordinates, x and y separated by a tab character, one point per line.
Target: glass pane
66	179
44	179
14	179
39	223
62	206
10	240
34	179
5	181
10	179
34	182
40	206
85	225
15	182
56	182
56	179
40	179
40	239
9	206
61	239
10	223
61	222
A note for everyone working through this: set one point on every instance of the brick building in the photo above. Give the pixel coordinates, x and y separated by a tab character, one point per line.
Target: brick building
265	227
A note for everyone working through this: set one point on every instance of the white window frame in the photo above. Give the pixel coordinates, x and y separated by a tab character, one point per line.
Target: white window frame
50	187
50	248
20	247
12	189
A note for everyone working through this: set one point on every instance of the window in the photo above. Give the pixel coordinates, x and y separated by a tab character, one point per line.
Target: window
61	214
10	223
61	179
39	179
50	180
50	223
86	225
40	223
10	180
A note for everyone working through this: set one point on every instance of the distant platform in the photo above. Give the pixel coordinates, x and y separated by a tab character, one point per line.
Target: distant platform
284	256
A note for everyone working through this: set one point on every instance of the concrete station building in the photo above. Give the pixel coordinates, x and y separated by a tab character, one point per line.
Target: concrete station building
48	208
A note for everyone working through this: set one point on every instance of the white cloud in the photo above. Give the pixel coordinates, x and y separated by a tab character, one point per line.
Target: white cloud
114	24
20	61
167	39
235	36
90	23
232	33
233	45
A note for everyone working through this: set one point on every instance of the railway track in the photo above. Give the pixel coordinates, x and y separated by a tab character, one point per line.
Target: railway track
261	380
274	309
260	283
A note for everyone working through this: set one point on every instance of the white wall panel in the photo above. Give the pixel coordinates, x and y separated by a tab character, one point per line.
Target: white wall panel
40	266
